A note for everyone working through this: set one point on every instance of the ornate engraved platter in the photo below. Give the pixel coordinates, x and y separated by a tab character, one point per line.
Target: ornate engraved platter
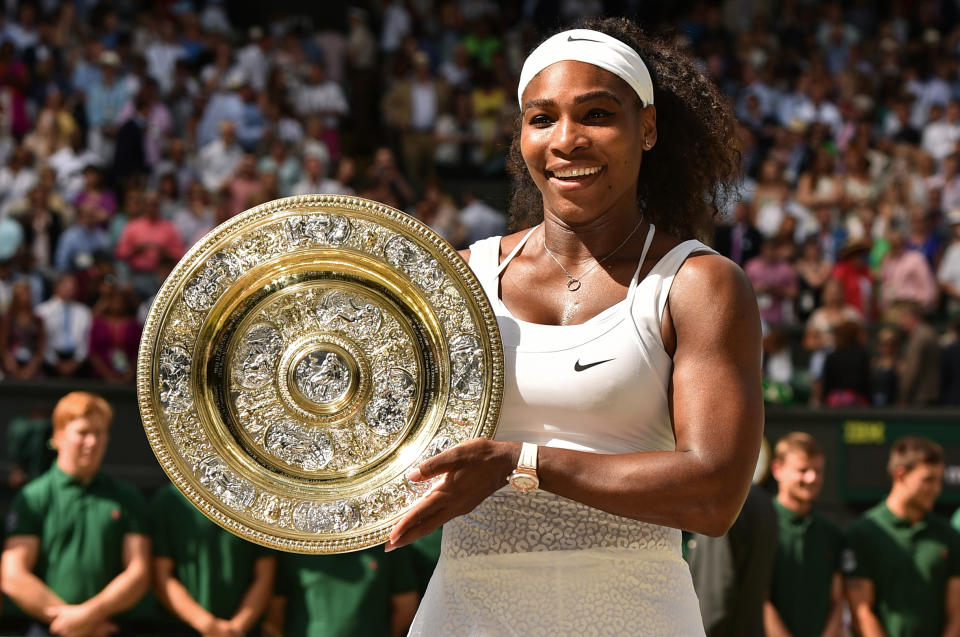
303	357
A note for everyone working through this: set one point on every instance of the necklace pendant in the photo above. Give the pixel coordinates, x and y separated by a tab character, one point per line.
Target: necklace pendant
573	284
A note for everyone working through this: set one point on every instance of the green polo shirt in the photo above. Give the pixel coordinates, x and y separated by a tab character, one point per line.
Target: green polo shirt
909	565
343	594
214	565
81	529
808	555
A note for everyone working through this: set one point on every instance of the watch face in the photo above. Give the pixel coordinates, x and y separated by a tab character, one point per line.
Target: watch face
524	482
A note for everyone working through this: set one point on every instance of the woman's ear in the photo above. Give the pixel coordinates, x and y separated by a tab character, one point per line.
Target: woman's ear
648	127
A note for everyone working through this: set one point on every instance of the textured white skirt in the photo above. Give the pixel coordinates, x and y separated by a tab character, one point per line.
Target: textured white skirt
538	564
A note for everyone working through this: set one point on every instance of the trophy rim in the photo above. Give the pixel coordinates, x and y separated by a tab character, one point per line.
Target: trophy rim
353	207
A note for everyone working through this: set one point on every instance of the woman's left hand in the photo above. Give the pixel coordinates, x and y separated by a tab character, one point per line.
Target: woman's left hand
469	473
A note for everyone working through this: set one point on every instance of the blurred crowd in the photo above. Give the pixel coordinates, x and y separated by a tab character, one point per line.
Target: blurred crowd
128	131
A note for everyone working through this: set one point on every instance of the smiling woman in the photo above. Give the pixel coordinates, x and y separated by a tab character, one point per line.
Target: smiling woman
632	403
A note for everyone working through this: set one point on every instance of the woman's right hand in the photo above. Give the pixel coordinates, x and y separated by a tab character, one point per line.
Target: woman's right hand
468	473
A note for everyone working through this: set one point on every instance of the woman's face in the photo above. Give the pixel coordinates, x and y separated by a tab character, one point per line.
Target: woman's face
579	118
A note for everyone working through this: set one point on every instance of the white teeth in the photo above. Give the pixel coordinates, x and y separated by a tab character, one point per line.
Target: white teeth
577	172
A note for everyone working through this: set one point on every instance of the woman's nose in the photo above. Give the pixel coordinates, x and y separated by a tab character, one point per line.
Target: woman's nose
568	136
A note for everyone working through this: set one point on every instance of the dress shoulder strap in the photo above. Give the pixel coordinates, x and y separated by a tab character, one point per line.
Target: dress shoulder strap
666	269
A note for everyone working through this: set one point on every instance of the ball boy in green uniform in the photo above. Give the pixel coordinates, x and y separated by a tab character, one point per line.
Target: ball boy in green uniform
77	551
214	581
806	596
903	561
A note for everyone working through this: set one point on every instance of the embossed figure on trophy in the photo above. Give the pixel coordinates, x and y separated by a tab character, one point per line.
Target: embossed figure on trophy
322	376
365	317
309	451
466	355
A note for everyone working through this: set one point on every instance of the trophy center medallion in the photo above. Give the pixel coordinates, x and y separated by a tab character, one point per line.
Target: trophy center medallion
324	377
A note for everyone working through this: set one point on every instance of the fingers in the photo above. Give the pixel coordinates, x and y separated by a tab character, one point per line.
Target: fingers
421	526
440	463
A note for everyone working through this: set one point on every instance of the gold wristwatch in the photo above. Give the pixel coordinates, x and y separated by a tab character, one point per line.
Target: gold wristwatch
524	477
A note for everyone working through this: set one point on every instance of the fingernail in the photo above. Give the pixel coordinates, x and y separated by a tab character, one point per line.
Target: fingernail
388	547
414	475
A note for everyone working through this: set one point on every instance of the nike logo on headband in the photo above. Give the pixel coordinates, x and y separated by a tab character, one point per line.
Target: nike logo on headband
577	367
570	38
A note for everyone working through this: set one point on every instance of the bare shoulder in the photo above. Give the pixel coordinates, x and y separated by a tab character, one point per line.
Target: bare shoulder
712	305
711	282
507	243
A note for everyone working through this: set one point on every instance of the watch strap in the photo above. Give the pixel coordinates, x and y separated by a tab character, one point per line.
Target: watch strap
528	456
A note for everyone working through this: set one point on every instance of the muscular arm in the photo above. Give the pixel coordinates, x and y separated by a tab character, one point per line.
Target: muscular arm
860	596
717	410
26	589
952	606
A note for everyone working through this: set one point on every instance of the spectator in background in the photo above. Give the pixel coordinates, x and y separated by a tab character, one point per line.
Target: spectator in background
853	272
906	275
284	163
212	580
846	370
80	242
17	178
941	134
66	325
480	219
41	230
775	282
818	335
920	375
813	272
77	552
739	240
948	274
22	338
884	368
315	180
115	334
196	218
219	158
144	242
411	108
806	597
28	446
11	237
243	184
367	592
106	96
323	97
902	565
95	195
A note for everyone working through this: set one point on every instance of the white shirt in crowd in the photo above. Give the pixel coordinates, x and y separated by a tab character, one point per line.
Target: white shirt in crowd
324	186
940	138
217	163
327	98
949	270
14	186
67	325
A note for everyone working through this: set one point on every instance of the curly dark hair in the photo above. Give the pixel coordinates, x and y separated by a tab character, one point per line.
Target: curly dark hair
694	167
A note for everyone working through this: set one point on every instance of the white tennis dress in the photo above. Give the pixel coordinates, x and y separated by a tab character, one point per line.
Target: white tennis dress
539	564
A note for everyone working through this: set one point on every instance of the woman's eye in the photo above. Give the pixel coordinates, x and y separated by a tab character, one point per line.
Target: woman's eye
539	120
598	113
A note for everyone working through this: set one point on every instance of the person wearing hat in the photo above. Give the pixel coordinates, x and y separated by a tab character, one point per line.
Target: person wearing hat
411	109
106	97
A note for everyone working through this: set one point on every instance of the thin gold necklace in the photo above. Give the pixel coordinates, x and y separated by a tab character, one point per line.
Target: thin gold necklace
573	282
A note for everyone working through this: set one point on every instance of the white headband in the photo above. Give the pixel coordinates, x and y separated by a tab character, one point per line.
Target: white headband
592	47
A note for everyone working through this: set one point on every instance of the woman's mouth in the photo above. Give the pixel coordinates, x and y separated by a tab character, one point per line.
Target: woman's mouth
574	177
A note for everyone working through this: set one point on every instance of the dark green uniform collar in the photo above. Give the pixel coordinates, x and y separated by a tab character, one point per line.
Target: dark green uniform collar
891	519
791	516
61	478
